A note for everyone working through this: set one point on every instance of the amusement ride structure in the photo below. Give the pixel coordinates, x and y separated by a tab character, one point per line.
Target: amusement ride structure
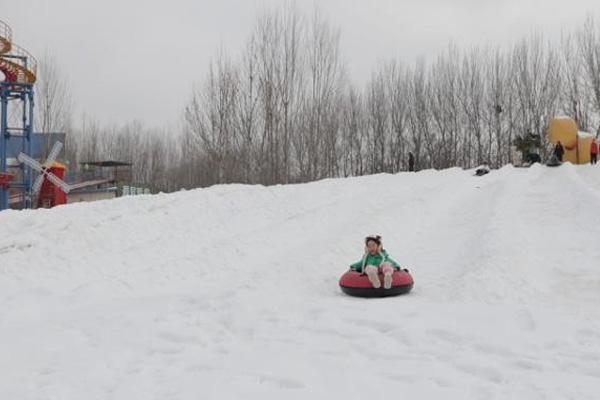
18	71
18	74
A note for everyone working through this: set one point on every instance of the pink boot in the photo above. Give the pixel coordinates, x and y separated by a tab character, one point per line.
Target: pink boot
373	275
387	270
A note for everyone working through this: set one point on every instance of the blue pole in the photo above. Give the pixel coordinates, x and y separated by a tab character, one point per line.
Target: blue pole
3	140
25	114
28	132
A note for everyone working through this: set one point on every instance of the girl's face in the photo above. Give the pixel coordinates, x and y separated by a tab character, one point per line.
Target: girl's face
372	247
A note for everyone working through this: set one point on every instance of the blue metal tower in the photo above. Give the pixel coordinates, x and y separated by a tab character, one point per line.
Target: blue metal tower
16	137
18	71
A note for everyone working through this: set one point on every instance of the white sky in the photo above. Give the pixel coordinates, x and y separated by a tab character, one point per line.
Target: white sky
138	59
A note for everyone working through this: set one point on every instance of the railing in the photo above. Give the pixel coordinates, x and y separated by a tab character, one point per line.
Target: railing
75	177
23	58
5	31
5	38
18	55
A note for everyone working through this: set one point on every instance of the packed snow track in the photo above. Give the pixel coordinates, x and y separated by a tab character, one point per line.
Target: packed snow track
231	292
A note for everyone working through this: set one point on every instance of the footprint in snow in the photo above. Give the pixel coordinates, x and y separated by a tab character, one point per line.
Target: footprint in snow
178	337
284	383
486	373
446	336
525	320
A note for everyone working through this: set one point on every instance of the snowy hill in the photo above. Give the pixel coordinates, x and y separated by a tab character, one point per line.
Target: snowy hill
231	292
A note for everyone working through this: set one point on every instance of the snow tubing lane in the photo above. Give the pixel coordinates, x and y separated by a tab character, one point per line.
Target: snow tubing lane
356	284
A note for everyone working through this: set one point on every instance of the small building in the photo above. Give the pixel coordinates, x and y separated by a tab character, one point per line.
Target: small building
98	180
118	172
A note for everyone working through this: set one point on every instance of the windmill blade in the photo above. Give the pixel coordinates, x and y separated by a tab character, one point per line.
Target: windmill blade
58	182
30	162
53	154
37	185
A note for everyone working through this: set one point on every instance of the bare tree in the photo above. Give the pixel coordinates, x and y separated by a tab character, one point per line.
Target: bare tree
588	40
537	84
419	122
497	109
54	106
210	118
284	111
378	114
444	105
353	132
397	89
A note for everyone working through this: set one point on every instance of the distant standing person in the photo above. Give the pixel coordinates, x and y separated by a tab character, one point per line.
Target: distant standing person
559	151
594	151
411	161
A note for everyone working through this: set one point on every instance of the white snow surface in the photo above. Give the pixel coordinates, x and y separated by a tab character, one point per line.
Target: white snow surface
231	292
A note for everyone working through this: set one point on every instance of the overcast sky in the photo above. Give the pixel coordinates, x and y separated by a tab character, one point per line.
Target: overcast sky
113	51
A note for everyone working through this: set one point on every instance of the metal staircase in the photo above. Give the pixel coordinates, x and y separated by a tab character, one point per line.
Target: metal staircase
16	63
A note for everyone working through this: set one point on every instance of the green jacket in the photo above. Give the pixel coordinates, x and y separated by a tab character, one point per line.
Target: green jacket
374	259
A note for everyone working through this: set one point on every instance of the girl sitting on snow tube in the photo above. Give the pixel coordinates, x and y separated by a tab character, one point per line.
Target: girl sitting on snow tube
374	263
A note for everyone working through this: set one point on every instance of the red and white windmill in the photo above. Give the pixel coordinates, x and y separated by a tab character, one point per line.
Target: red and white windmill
44	170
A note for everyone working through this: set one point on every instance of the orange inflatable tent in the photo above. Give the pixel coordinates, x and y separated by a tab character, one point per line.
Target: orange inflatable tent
576	144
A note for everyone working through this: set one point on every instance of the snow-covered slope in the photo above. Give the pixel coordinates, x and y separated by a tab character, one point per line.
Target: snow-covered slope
231	292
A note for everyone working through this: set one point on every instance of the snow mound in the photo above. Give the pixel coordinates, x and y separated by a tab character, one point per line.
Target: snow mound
231	292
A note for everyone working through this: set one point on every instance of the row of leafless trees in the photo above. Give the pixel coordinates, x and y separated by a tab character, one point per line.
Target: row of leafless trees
284	110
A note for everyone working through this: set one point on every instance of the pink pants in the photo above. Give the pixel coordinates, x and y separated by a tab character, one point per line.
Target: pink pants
385	268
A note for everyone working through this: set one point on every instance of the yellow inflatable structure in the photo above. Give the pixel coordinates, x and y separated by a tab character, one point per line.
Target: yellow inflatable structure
576	144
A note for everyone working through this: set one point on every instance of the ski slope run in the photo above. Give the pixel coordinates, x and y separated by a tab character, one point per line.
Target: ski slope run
231	292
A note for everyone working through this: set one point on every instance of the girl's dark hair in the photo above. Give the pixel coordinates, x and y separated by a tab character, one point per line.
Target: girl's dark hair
374	238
